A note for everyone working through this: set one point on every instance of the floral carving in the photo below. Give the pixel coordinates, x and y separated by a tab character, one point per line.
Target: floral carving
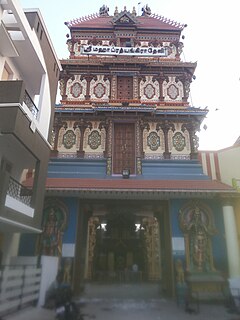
179	141
149	91
99	90
94	139
76	90
153	141
173	91
69	139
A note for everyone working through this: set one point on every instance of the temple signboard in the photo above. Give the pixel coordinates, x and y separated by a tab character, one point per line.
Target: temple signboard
126	51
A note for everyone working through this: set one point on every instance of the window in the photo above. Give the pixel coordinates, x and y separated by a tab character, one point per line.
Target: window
7	73
125	42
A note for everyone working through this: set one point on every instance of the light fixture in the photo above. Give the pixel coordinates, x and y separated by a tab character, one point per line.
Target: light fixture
125	173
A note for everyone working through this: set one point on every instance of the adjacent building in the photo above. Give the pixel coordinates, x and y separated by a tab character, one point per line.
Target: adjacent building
29	73
223	165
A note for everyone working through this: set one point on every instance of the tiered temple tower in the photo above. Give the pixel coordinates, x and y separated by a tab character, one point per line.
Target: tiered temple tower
124	182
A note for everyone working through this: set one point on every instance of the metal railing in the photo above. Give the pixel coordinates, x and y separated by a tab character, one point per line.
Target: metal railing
19	192
19	286
30	104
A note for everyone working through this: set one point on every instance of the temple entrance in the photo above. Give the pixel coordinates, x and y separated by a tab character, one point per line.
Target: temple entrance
120	249
124	242
123	246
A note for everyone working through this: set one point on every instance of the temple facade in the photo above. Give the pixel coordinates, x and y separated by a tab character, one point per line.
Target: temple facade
126	191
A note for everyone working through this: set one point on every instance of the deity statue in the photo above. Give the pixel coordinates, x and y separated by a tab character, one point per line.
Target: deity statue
103	11
198	231
146	11
51	238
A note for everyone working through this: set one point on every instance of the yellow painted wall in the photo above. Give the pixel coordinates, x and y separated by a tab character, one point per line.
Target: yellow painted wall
229	164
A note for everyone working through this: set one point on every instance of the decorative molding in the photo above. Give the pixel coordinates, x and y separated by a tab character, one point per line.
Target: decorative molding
99	88
149	89
173	89
76	89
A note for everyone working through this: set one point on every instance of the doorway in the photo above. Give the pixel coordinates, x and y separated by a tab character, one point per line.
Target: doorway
125	88
113	235
124	148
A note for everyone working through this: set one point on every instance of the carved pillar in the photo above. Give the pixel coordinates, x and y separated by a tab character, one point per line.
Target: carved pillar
58	124
192	128
105	124
231	240
186	79
135	87
108	151
161	78
88	78
179	48
82	125
93	222
140	126
72	52
151	235
140	78
108	78
166	126
64	77
113	87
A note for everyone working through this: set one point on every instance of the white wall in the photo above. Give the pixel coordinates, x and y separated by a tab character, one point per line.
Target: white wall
10	246
49	273
229	164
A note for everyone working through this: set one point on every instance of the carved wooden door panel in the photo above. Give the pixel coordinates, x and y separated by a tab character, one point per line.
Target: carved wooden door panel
124	148
125	88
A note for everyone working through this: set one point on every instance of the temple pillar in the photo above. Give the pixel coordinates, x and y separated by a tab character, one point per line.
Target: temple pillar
135	88
64	77
108	151
88	78
231	241
113	87
192	128
161	78
82	125
166	126
58	124
105	125
139	144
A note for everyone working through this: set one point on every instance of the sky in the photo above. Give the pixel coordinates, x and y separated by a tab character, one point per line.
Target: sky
211	39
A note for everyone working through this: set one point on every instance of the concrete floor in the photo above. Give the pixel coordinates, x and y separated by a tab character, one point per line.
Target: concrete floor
130	302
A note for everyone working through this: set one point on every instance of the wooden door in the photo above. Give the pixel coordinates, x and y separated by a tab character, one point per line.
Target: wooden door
125	88
124	148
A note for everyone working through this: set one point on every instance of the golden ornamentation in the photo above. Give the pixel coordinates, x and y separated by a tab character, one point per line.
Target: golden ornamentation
93	222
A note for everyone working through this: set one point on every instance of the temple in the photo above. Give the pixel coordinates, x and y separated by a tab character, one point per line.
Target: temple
126	195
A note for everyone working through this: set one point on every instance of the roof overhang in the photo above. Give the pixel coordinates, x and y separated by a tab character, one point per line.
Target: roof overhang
138	189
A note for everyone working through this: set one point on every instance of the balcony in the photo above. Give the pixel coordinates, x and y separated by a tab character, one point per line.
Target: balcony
19	192
30	104
19	198
12	92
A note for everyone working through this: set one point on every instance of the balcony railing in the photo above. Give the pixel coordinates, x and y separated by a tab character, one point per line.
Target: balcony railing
30	104
19	192
15	92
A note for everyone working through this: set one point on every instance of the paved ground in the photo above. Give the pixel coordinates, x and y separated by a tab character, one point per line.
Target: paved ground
130	302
